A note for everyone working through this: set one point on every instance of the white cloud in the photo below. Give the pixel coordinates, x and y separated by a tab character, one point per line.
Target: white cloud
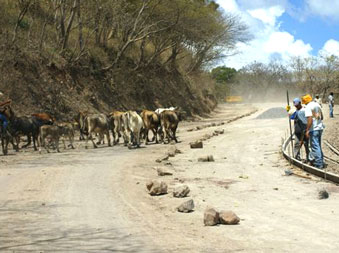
285	44
331	47
269	40
267	16
325	8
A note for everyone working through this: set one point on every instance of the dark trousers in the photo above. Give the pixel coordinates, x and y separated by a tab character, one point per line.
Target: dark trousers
300	137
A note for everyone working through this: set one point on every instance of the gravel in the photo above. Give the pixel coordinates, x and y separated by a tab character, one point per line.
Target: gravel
273	113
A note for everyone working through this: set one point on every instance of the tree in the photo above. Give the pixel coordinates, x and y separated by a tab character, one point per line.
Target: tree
223	74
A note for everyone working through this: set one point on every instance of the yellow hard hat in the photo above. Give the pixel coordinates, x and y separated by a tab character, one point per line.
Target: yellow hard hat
306	99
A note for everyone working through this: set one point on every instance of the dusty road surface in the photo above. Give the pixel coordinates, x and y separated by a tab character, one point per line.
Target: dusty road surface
95	200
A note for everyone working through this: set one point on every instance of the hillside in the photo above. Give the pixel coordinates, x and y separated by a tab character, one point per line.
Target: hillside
64	56
36	85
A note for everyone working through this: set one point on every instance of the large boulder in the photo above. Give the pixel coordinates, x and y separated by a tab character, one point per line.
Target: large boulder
156	188
228	218
186	207
181	191
211	217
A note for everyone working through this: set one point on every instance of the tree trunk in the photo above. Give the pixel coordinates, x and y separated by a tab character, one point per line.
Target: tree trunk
81	43
69	25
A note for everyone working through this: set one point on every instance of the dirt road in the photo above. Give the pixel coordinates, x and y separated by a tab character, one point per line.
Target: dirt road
95	200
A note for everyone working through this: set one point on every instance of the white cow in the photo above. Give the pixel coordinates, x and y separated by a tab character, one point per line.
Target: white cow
160	110
133	124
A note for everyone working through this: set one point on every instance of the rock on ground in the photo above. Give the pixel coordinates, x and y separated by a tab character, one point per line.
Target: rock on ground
208	158
323	194
211	217
156	188
163	172
228	218
163	158
197	144
186	207
175	150
181	191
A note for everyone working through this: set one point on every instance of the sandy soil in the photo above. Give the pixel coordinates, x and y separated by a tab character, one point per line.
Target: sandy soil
95	200
330	134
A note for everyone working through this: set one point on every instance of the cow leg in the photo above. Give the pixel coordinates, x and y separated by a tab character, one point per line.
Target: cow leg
114	135
88	136
17	139
137	134
4	151
34	141
100	138
11	139
174	134
63	141
94	146
29	141
4	144
15	147
108	137
81	137
39	143
168	136
126	138
57	144
145	133
165	134
44	144
155	135
71	140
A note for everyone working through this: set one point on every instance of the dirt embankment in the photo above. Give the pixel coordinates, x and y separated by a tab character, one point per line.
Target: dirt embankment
36	84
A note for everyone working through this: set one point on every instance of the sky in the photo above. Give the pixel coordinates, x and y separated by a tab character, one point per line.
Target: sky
281	29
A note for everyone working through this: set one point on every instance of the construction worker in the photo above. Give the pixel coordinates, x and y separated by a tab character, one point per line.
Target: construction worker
331	103
300	124
318	100
314	130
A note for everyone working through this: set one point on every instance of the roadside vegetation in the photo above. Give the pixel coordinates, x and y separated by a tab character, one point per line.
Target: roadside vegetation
62	56
260	82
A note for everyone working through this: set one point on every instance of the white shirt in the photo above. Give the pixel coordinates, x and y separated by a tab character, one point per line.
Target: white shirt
313	110
330	99
318	100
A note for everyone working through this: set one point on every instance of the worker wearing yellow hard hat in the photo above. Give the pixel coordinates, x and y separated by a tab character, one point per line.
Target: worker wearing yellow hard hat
306	99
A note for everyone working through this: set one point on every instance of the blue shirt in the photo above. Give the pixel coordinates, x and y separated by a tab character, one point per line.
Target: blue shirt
301	115
4	120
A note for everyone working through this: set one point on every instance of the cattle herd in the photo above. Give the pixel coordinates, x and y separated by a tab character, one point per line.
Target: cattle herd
133	127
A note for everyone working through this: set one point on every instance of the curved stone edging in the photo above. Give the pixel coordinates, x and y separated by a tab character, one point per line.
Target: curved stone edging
310	169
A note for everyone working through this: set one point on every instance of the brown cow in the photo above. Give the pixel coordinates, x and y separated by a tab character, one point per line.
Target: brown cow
97	123
44	117
116	125
67	131
53	133
169	125
151	122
